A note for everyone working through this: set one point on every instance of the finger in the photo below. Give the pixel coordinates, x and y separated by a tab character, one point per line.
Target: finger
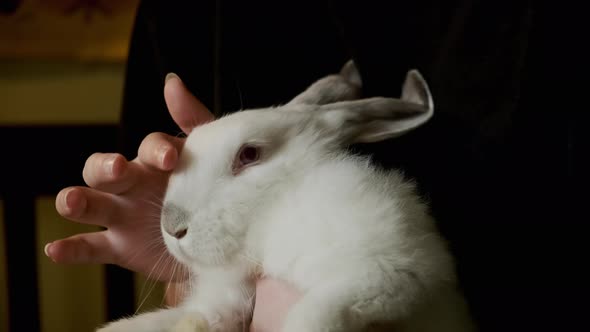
186	110
88	248
160	151
88	206
109	172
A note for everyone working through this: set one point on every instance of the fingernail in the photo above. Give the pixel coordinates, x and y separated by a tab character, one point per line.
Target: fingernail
46	249
114	168
164	157
171	75
74	200
109	164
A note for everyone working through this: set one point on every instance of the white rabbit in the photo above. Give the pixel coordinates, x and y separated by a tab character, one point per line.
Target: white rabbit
274	191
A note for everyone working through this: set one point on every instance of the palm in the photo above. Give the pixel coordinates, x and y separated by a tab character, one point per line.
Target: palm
136	239
125	198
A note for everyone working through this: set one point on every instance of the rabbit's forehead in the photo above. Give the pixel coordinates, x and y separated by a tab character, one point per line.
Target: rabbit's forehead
241	127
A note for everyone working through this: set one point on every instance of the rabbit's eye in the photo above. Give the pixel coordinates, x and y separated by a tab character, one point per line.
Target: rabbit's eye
248	155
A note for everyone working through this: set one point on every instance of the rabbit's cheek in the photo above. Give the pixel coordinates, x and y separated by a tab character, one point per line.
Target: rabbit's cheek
210	241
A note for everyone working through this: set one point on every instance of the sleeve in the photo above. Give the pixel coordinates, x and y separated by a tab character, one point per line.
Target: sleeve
143	108
169	36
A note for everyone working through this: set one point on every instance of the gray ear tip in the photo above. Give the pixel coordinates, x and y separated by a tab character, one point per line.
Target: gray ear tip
415	75
351	73
348	66
415	81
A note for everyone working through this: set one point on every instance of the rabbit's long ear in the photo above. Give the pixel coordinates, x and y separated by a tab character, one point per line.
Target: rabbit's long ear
377	119
333	88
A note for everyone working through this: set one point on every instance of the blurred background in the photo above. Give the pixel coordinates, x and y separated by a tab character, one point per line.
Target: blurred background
62	67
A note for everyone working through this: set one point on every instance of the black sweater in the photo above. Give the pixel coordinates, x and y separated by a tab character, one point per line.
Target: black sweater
489	162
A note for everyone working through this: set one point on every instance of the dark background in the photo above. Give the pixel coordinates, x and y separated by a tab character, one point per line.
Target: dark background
497	162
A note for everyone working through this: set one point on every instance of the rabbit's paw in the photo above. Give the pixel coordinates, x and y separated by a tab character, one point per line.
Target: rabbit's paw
191	323
118	326
127	325
157	321
132	326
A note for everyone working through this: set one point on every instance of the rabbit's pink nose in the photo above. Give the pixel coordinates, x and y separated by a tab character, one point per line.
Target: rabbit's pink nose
180	234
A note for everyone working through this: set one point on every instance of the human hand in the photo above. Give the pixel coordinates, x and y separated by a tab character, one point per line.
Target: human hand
125	197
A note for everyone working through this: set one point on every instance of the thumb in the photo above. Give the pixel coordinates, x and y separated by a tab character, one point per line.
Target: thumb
186	110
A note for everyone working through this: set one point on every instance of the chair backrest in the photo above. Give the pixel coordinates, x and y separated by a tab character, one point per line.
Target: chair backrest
39	161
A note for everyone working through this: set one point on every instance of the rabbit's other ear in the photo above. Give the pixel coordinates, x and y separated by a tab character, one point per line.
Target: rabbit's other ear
333	88
351	74
376	119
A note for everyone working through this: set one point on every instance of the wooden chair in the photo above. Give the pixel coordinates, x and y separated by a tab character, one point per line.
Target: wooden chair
36	161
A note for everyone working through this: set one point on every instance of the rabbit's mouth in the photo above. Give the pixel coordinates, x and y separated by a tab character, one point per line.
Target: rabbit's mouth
183	255
204	250
175	248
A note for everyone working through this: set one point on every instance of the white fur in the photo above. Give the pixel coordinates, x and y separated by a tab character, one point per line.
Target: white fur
357	241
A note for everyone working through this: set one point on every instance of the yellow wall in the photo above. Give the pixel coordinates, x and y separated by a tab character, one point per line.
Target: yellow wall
149	294
72	297
72	91
60	93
